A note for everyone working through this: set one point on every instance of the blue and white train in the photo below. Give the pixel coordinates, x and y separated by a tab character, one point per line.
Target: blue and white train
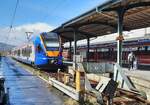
43	51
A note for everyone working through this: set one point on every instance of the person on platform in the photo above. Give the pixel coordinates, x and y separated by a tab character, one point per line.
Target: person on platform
131	59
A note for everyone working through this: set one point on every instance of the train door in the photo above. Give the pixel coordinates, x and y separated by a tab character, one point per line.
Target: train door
30	53
39	55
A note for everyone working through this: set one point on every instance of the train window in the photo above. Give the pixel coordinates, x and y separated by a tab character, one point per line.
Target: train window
53	37
51	44
23	52
27	51
125	49
17	52
105	49
91	50
115	49
141	48
53	48
134	49
98	50
148	48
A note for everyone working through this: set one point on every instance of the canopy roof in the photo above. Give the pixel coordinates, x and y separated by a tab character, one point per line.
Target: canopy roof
103	19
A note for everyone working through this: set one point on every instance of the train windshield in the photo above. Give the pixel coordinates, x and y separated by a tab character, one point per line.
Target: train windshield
51	41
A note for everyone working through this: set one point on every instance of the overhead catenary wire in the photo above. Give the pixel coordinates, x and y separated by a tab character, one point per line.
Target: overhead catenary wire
60	4
14	14
12	21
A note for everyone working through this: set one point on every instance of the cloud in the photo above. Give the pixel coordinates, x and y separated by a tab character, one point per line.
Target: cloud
17	35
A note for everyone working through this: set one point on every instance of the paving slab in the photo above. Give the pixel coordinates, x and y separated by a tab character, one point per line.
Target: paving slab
25	88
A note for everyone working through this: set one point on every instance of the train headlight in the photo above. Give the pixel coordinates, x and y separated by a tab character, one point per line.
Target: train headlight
52	61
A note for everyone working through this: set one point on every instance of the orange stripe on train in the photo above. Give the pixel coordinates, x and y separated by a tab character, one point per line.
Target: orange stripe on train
52	53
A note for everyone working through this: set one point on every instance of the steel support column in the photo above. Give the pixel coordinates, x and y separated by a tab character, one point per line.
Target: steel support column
120	13
75	49
70	50
88	48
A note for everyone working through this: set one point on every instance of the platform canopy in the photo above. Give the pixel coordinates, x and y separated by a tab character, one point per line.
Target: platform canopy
103	19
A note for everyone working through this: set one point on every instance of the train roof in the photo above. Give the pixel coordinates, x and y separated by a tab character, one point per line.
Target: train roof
111	38
102	19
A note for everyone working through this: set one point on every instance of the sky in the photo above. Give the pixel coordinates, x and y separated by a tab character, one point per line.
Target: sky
38	16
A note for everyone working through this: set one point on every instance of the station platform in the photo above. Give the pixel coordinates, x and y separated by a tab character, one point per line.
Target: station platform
142	74
25	88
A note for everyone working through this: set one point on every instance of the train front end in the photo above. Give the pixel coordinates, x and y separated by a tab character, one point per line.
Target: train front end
50	55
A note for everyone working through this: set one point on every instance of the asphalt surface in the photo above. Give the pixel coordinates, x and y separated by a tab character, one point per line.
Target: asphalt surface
25	88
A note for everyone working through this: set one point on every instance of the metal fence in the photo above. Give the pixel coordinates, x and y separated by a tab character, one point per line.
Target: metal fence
94	67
